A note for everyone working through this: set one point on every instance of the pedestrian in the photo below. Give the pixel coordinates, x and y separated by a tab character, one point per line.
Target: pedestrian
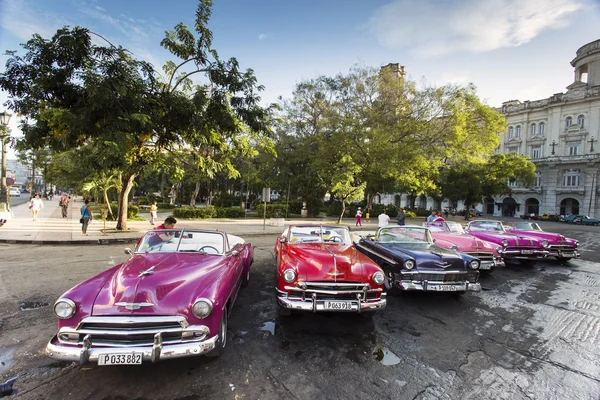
35	205
153	212
50	195
86	217
432	217
64	204
164	236
384	219
358	217
446	212
401	217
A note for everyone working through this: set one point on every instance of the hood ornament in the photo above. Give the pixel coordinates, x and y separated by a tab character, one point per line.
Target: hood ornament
149	271
133	306
443	264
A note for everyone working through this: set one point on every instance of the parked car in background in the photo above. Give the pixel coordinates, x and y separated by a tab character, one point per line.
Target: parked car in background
451	235
529	216
572	218
585	220
560	247
550	217
170	299
15	192
412	261
515	246
320	270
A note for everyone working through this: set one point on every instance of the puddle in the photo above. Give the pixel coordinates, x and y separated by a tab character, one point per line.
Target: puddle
385	357
6	359
269	326
32	305
243	332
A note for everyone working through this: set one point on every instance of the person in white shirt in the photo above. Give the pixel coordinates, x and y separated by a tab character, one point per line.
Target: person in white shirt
35	205
384	219
432	217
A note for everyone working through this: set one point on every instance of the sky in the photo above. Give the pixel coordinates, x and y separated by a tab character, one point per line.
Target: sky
509	49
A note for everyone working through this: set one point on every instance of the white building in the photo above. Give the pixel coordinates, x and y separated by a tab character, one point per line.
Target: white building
560	135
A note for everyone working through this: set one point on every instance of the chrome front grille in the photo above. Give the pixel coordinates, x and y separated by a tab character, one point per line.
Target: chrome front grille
442	276
334	291
482	256
131	331
562	247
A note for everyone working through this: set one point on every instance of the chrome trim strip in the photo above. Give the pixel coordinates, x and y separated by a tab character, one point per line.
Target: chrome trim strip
133	320
323	291
377	254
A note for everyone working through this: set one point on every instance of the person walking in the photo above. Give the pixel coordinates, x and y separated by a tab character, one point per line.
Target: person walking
64	204
401	217
86	217
153	212
35	205
384	219
358	217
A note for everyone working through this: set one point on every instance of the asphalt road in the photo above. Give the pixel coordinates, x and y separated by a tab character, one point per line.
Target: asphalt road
531	334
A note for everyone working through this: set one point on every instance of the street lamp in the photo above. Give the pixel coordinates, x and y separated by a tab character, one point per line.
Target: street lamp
4	134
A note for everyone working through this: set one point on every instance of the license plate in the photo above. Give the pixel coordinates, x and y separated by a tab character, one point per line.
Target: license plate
487	265
338	305
563	254
120	359
526	251
447	288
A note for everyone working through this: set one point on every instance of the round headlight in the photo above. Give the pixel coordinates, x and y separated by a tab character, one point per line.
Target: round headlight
409	264
64	308
454	247
499	249
474	264
505	243
289	275
378	278
202	308
577	244
545	243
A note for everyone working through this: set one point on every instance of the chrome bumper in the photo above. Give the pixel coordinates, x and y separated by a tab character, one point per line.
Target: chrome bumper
428	286
156	352
489	265
565	253
316	305
529	254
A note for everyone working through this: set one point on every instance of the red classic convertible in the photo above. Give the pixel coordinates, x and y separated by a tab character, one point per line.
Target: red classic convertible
170	299
319	269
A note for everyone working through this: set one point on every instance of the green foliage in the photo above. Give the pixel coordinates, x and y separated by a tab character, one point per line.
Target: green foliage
231	212
410	214
208	212
165	206
225	199
132	211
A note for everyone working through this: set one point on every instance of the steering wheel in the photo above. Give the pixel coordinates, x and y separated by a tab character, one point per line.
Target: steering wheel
335	239
209	247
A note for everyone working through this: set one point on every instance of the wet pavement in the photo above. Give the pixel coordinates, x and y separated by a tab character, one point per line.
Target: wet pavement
533	333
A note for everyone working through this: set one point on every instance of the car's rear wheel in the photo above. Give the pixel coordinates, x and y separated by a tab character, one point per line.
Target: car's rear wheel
246	278
390	281
222	340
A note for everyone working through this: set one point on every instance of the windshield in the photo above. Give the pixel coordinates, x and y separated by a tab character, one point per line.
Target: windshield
445	226
527	226
404	235
171	240
319	234
492	226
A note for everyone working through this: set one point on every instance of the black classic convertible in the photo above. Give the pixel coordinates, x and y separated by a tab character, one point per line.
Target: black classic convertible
411	261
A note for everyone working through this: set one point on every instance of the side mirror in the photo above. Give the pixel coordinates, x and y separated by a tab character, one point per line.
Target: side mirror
282	240
128	251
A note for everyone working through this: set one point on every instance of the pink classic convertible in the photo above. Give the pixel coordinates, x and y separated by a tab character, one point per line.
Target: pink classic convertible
450	235
170	299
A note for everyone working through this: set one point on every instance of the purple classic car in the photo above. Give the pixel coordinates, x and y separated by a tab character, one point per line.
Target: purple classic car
515	246
559	246
170	299
451	235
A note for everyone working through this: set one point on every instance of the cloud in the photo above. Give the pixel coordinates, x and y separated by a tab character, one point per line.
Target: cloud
261	36
436	27
22	21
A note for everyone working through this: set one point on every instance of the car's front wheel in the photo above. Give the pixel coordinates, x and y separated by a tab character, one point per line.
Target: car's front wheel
246	278
390	283
222	340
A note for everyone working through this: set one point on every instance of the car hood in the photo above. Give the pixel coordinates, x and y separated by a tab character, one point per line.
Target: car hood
552	238
327	262
464	243
168	286
427	256
513	239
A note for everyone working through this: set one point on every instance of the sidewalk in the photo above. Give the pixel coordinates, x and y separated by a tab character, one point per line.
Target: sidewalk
52	228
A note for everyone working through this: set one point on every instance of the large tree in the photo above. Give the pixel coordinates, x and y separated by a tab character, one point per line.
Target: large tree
76	94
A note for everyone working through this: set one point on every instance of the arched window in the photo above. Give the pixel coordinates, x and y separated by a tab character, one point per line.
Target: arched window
542	126
532	129
581	121
518	131
510	132
568	122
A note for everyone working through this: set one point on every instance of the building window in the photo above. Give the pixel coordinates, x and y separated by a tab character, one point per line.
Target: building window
513	183
536	152
581	121
538	179
542	126
568	122
512	149
573	148
518	131
571	178
510	132
532	129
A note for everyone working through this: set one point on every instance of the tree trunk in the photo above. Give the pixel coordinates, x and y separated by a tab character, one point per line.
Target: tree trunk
109	210
195	194
123	196
343	211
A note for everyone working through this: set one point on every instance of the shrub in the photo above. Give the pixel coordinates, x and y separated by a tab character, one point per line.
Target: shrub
230	212
132	211
410	214
165	206
195	212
